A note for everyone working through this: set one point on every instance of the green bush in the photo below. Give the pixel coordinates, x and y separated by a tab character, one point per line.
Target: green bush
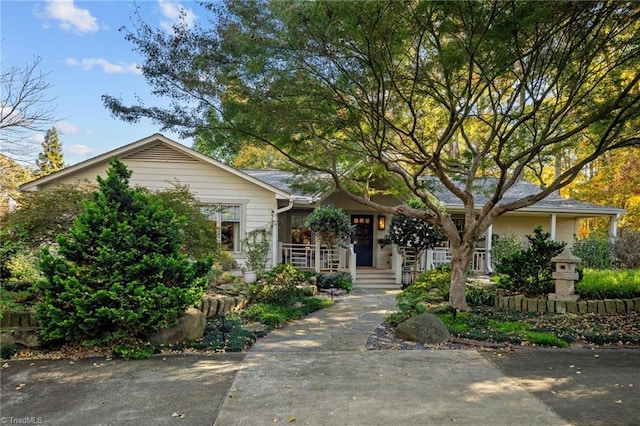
478	295
22	267
199	236
503	247
337	280
224	261
431	286
529	270
609	284
120	274
594	251
7	350
280	286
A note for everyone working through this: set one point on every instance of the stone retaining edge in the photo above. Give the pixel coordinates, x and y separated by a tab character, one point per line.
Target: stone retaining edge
607	306
213	306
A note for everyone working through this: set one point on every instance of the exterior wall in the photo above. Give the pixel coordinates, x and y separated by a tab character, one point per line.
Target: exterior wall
381	258
521	225
206	182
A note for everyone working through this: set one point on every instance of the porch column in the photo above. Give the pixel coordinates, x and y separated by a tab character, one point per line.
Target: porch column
487	255
317	257
429	259
553	226
274	241
613	227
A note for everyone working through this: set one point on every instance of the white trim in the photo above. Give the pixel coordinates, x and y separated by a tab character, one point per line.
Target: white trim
141	144
488	244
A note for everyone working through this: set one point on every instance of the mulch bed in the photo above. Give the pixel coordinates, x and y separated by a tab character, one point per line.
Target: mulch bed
385	338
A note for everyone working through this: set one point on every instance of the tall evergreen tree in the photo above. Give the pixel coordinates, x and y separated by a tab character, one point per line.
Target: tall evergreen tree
50	159
119	274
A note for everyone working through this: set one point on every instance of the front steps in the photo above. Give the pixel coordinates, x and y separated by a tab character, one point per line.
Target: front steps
382	279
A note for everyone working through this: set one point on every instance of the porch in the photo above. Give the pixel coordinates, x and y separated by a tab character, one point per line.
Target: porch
320	258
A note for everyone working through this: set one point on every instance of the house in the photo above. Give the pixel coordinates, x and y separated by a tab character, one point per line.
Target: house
239	201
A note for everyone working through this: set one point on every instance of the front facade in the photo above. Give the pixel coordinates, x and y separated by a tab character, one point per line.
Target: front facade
241	201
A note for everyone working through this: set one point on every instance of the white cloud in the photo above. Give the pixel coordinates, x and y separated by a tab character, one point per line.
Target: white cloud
37	138
87	64
78	150
65	128
172	12
70	17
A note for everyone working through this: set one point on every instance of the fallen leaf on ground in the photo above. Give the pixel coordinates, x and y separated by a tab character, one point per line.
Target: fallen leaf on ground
291	419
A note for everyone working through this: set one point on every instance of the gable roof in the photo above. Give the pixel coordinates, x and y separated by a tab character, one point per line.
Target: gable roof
154	147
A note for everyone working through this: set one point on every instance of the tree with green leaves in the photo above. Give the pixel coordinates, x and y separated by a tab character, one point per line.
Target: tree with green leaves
199	237
119	274
13	175
332	225
387	93
50	159
414	233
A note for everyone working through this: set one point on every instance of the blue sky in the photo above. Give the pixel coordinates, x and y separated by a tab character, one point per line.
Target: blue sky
86	56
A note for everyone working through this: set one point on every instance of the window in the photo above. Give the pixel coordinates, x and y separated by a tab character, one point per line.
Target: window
300	234
227	219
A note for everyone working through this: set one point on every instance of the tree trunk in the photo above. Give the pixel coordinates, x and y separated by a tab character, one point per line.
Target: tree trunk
460	260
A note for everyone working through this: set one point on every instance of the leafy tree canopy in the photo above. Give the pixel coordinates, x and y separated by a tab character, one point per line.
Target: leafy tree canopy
13	175
457	90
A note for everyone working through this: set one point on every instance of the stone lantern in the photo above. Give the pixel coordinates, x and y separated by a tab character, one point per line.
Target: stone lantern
565	276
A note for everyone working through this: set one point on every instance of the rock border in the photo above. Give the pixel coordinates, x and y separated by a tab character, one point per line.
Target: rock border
606	306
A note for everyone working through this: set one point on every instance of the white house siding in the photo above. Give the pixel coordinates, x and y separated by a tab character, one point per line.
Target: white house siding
521	225
163	168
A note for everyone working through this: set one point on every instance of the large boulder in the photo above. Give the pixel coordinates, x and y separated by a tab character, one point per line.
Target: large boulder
28	338
189	328
424	328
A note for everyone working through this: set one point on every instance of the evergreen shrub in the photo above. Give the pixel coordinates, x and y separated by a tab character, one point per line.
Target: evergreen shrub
119	275
530	270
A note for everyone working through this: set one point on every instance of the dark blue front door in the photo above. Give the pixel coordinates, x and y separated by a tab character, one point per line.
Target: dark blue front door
363	239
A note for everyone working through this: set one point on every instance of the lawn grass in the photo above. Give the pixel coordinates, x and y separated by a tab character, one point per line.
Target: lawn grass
609	284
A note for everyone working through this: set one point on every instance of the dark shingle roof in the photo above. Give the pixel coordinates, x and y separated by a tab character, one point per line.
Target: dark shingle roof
285	181
553	202
282	180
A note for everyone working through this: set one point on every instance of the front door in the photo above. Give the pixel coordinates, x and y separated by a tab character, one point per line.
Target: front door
363	239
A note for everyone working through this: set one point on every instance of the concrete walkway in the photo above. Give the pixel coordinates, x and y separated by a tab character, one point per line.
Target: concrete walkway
316	371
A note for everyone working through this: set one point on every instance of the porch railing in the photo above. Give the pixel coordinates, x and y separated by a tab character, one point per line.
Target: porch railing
439	256
305	255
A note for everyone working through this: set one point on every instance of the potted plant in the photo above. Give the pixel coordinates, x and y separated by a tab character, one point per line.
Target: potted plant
257	248
332	225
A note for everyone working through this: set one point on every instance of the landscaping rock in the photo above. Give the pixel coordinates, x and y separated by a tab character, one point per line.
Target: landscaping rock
27	338
189	328
424	328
